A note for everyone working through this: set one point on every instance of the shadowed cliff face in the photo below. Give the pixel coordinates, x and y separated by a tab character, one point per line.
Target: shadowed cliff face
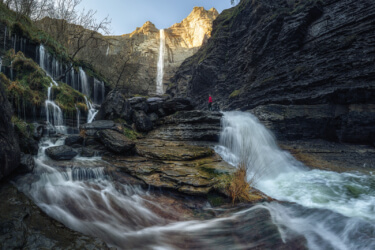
284	53
9	148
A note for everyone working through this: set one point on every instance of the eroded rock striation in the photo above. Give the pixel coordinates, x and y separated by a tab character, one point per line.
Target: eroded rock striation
307	56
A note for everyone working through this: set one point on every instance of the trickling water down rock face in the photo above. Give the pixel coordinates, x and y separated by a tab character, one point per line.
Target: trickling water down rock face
9	148
310	53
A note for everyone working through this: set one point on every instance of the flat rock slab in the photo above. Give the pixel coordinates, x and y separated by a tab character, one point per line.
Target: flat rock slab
61	153
195	177
173	151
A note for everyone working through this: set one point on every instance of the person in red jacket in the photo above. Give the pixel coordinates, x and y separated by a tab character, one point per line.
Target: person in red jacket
209	102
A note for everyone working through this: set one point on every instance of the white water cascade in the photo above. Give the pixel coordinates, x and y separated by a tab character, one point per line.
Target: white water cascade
107	52
91	111
54	114
160	68
335	211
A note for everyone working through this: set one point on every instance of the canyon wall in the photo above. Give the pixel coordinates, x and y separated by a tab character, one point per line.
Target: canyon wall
138	52
306	66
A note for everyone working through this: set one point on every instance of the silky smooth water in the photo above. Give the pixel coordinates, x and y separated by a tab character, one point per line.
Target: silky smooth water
330	210
347	197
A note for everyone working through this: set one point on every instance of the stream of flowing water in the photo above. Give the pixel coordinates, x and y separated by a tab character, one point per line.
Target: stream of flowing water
330	210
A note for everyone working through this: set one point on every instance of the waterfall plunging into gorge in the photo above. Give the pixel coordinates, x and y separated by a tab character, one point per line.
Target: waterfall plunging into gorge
160	66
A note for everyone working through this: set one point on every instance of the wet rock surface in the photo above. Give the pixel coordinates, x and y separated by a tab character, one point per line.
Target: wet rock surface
73	140
9	147
24	226
60	153
27	164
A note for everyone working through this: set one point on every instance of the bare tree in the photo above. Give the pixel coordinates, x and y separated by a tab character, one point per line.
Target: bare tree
75	29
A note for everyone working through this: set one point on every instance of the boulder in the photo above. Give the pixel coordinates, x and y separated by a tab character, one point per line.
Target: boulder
27	164
115	106
154	103
60	153
115	141
38	131
73	139
139	103
142	121
177	104
9	144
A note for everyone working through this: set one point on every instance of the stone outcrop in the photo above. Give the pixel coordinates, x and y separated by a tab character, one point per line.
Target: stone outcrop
195	125
115	141
115	106
305	53
9	147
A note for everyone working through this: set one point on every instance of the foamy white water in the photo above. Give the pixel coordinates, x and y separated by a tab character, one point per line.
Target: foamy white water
347	196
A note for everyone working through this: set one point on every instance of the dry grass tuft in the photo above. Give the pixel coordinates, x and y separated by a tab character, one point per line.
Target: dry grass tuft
239	189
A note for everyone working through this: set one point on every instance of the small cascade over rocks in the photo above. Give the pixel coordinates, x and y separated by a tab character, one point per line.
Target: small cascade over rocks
92	111
54	114
160	66
245	140
79	81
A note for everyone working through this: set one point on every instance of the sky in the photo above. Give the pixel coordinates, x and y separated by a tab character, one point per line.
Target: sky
127	15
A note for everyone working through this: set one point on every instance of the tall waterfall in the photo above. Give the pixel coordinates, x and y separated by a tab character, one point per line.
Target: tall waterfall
160	73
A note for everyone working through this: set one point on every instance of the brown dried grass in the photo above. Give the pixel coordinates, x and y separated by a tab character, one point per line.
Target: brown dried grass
239	189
